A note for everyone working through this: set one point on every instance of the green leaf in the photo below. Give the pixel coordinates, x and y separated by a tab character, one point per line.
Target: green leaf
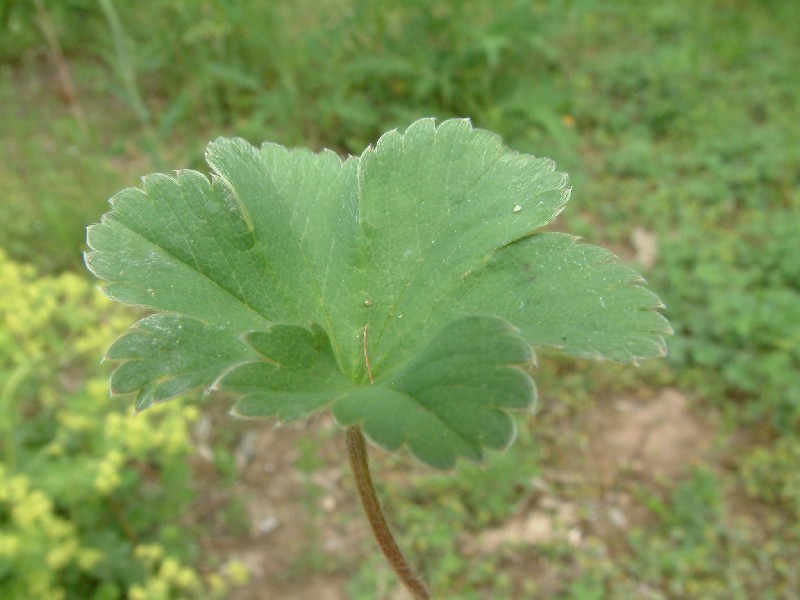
168	355
292	279
570	296
295	375
450	400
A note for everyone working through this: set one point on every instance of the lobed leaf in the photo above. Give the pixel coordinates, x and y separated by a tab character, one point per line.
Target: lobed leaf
167	355
451	399
268	277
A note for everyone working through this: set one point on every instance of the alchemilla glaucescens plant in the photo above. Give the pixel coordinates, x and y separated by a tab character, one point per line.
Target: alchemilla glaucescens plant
403	290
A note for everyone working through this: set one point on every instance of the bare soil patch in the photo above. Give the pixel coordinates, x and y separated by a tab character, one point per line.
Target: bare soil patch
305	535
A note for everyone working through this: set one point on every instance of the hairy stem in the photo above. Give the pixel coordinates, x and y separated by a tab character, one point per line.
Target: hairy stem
357	451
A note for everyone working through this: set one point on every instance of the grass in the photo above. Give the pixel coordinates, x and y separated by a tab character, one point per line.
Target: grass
681	120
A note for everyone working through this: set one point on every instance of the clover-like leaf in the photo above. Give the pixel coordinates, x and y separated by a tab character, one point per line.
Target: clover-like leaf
401	289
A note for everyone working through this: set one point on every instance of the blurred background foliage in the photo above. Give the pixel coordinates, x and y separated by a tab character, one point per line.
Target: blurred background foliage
679	123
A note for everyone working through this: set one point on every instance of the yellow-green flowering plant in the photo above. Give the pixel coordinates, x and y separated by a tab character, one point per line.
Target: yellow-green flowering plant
75	520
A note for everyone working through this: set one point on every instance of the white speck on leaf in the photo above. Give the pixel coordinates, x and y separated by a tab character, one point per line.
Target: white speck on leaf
517	208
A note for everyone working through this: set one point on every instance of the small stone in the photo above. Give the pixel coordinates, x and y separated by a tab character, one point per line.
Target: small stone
267	525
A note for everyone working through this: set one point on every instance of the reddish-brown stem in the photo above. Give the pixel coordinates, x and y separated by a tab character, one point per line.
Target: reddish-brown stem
357	451
359	462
